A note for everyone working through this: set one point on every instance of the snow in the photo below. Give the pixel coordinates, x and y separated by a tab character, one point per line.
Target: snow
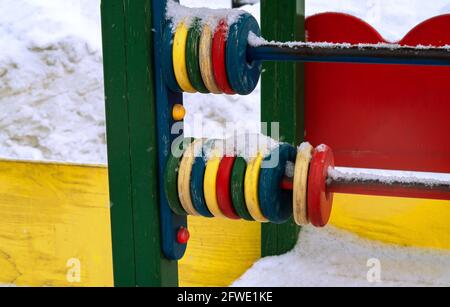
51	81
51	94
223	116
257	41
388	177
247	146
332	257
392	18
179	13
303	146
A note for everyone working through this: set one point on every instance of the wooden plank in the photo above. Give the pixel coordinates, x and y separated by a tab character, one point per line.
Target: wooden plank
400	221
282	100
132	148
117	122
152	269
52	215
165	101
219	251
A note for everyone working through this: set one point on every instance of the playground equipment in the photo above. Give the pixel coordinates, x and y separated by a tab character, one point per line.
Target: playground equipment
216	55
354	108
56	219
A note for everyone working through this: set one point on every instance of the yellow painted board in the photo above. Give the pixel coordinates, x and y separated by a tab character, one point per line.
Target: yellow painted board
52	213
219	251
402	221
51	216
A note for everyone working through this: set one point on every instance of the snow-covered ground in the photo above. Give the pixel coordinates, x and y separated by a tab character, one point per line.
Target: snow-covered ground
51	95
51	81
51	78
332	257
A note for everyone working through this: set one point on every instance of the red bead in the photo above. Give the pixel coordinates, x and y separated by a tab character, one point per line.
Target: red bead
320	201
219	58
183	235
223	188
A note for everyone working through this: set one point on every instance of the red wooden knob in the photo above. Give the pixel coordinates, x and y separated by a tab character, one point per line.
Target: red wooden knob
183	235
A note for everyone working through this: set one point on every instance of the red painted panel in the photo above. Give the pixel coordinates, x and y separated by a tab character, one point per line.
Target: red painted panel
379	116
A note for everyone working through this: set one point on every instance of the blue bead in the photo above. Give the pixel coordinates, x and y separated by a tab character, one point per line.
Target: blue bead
242	74
196	186
167	60
276	203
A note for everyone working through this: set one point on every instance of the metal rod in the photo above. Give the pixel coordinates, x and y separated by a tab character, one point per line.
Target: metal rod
338	53
391	183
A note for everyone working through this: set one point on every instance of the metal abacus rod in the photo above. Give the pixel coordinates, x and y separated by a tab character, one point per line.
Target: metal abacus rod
391	183
344	53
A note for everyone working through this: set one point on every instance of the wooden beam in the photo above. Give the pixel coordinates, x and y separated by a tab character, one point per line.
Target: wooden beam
132	146
282	100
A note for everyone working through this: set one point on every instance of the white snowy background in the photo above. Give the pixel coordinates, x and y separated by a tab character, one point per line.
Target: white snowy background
52	102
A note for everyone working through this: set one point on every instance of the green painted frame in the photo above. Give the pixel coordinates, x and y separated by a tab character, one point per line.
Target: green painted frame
282	101
132	150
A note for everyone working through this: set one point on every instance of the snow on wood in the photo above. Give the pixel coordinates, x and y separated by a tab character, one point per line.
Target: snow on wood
247	146
178	13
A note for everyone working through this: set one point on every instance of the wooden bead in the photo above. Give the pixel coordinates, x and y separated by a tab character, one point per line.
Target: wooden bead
183	235
223	188
205	54
276	203
178	112
320	201
184	178
167	60
210	182
237	188
192	57
300	185
243	75
171	184
179	59
219	58
251	184
197	189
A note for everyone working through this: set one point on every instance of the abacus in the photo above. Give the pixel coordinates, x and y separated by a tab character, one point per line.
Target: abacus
223	55
222	52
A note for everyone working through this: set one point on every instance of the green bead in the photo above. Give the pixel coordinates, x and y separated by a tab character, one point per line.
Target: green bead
192	57
171	180
237	188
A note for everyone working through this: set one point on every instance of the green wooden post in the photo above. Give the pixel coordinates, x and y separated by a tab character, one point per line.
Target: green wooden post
132	151
282	100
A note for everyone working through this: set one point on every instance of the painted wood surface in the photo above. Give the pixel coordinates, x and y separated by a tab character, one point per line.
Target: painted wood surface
219	251
398	113
282	100
132	144
52	213
50	216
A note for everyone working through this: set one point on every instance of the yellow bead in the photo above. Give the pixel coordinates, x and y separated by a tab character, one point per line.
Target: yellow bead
209	185
251	182
178	112
179	58
184	177
300	185
205	54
